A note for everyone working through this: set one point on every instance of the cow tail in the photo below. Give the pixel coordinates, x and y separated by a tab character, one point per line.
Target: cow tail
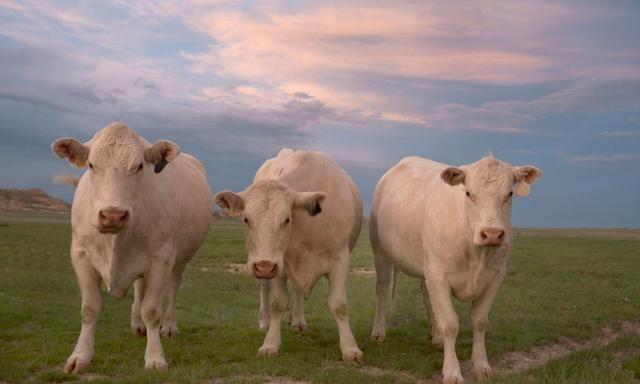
394	284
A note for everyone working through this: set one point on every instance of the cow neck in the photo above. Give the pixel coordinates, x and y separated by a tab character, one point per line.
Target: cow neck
115	248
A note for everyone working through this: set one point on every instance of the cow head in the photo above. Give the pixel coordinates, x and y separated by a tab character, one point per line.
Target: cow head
488	187
268	209
118	161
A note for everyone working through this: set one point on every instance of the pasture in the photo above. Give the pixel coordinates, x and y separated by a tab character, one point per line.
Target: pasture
570	296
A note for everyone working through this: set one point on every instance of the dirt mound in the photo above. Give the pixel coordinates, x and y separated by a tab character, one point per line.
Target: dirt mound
31	200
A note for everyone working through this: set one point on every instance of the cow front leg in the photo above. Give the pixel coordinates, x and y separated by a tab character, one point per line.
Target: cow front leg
298	322
278	305
169	327
152	314
338	306
447	322
479	319
264	314
137	325
89	284
436	339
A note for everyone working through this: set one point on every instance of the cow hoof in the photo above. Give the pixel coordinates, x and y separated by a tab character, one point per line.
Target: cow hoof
299	325
169	331
483	373
352	355
377	337
76	364
267	351
158	364
139	330
453	379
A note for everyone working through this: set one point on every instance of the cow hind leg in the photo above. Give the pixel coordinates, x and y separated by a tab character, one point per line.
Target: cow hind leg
298	322
436	339
137	325
338	307
169	327
384	277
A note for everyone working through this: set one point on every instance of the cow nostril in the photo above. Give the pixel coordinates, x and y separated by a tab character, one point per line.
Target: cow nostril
501	235
483	235
124	216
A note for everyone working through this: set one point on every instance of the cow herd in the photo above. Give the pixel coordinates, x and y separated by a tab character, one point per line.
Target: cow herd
141	211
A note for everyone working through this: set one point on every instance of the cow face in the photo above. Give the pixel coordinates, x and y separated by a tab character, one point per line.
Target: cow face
489	185
118	162
268	209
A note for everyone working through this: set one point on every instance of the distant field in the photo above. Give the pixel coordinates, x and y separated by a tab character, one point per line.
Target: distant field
564	287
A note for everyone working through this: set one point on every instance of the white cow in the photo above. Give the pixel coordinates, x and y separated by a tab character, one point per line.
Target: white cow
139	214
303	215
450	227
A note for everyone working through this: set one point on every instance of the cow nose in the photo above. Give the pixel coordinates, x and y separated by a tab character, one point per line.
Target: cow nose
492	236
113	218
265	269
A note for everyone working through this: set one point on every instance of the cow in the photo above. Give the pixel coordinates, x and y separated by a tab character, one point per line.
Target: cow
302	215
139	214
451	228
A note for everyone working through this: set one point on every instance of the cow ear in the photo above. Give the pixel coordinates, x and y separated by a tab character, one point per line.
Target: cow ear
453	176
230	201
161	153
71	149
310	201
524	176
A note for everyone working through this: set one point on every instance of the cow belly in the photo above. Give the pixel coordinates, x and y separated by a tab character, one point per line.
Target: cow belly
404	255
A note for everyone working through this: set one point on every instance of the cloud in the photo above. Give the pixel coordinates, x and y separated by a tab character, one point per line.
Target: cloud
620	158
620	134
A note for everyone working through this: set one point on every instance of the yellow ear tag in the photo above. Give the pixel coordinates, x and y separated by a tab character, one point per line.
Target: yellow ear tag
523	189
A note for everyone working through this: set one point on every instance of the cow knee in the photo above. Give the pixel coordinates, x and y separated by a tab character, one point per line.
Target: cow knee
278	305
479	323
448	329
339	310
89	313
151	315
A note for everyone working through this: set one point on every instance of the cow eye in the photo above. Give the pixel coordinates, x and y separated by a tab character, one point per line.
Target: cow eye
140	167
510	193
246	221
91	166
287	221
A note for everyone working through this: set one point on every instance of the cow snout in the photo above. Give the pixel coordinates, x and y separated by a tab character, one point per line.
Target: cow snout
112	219
265	269
492	236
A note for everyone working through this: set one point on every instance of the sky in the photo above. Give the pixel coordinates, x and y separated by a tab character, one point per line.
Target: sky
555	84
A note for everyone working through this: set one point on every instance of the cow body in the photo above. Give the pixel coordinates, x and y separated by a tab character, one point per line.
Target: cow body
303	215
452	233
134	224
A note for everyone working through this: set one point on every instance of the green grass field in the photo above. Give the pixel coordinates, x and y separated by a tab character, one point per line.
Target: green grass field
561	284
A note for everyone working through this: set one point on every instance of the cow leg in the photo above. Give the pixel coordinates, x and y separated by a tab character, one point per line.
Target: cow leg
447	322
137	325
264	314
278	304
89	283
479	319
298	322
384	277
169	327
156	280
338	306
436	340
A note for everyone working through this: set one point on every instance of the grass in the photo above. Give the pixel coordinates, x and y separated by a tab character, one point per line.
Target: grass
558	285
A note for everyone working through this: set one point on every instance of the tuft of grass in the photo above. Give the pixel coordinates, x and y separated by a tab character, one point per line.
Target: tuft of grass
558	285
